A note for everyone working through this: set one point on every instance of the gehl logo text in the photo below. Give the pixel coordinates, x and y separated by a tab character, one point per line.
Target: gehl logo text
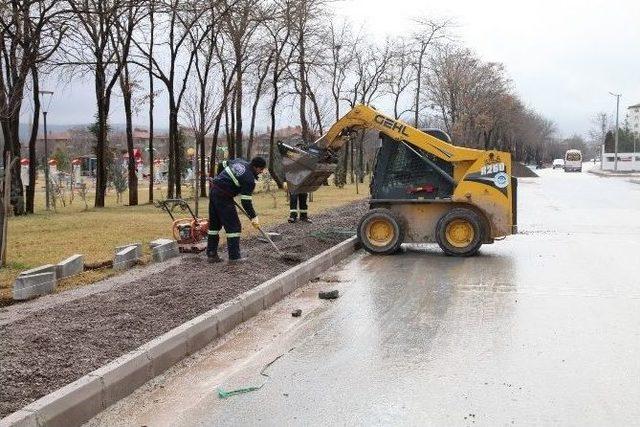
391	124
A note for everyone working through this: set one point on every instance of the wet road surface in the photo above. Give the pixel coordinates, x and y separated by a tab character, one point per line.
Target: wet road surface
541	328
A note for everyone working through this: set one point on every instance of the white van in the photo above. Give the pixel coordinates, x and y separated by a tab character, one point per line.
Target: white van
573	161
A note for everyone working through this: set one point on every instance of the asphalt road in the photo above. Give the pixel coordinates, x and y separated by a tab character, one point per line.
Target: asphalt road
541	328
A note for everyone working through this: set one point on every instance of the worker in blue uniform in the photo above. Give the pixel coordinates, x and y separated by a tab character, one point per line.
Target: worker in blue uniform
236	177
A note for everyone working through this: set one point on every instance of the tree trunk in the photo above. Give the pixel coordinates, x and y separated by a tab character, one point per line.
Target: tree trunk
238	113
125	85
214	145
316	108
171	179
306	135
151	105
272	134
101	137
416	103
203	171
31	188
229	124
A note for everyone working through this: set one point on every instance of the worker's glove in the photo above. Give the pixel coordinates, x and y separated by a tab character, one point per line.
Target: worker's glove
255	222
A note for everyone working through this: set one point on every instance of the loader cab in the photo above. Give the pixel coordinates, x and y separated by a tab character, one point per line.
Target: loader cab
438	133
408	173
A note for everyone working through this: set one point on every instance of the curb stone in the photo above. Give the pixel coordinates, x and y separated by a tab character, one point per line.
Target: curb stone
48	268
34	285
70	266
137	245
165	251
126	258
81	400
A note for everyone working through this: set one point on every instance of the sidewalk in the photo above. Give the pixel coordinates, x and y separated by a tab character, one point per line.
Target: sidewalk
596	171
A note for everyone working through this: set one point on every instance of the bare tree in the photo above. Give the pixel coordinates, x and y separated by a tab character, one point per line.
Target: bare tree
240	25
127	87
280	31
429	32
101	46
401	75
200	106
371	68
227	72
262	71
31	33
177	19
600	124
306	26
342	45
152	95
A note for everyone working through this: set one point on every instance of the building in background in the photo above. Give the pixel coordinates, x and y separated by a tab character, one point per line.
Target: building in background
633	116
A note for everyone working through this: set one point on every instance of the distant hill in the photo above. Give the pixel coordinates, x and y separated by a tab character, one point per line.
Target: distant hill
25	128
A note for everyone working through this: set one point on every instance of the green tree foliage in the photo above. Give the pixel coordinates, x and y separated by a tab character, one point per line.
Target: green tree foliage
62	157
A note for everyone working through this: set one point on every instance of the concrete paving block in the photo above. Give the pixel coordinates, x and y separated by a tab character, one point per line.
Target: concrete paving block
137	245
158	242
123	375
26	287
288	285
70	266
48	268
273	293
70	405
229	316
125	259
165	251
252	303
203	331
20	418
168	349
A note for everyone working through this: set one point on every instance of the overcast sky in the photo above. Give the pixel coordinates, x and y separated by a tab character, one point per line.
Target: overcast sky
563	56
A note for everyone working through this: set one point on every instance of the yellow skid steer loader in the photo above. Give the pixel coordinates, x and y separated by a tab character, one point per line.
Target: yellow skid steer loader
424	189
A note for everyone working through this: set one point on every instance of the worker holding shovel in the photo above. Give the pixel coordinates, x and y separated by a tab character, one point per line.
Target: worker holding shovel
238	177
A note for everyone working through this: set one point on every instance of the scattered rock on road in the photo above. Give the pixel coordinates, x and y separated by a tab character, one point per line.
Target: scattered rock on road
329	294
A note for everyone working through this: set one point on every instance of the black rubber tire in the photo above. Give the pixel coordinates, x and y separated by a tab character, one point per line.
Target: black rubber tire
397	223
472	218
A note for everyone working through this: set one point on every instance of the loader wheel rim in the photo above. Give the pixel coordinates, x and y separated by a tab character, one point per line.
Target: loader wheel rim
460	233
380	232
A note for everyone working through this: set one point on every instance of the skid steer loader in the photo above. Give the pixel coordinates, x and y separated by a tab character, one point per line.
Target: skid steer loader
424	189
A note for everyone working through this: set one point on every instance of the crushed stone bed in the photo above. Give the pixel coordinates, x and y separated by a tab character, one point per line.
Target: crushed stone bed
54	347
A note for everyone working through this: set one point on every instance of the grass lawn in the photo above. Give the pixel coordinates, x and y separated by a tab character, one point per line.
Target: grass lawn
49	237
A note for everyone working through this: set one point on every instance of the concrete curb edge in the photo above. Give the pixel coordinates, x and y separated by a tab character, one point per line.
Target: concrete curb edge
81	400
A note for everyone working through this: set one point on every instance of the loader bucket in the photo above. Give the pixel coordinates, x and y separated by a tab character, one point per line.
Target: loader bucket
305	171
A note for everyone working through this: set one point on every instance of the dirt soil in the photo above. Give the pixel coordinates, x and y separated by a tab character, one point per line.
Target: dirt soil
51	348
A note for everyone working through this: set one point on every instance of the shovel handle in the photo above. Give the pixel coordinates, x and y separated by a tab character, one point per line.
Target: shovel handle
264	234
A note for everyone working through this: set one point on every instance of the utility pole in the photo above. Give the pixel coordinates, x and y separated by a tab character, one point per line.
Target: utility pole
46	95
46	162
615	161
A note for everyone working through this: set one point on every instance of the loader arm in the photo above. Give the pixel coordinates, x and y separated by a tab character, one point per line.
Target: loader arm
365	117
480	178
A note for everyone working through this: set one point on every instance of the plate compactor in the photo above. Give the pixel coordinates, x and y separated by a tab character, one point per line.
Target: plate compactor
424	189
190	232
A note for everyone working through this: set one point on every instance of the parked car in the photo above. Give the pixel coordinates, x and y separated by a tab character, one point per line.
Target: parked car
558	163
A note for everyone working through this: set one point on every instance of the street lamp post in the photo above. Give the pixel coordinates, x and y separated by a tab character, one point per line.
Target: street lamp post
46	100
615	161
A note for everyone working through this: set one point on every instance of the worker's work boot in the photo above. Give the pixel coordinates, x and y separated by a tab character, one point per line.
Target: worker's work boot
292	220
238	260
213	258
305	218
